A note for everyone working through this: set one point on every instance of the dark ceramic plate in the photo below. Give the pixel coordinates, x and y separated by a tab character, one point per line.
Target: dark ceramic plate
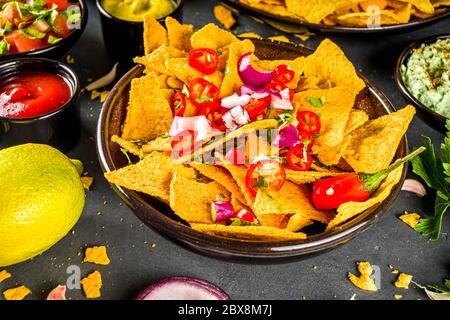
57	50
430	115
160	218
340	29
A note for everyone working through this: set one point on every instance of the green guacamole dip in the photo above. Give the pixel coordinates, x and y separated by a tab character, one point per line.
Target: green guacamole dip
426	74
135	10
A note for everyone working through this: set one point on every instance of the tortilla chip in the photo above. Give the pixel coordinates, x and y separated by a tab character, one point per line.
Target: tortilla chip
149	114
231	81
250	35
334	113
216	78
191	200
274	8
304	36
404	14
285	26
297	222
18	293
331	156
411	219
224	16
365	5
127	145
348	210
329	62
364	281
297	65
151	176
373	145
307	83
290	199
280	39
403	281
368	20
221	176
180	68
161	143
303	177
238	173
4	275
212	37
155	34
315	11
356	119
156	60
279	221
179	34
255	233
239	205
423	5
174	83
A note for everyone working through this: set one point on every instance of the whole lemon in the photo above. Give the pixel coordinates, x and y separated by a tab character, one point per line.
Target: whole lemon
41	199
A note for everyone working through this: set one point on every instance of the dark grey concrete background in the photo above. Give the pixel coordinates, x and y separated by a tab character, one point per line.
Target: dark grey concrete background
135	263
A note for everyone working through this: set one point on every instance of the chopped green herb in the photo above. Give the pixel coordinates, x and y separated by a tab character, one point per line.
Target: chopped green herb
52	40
204	100
185	91
125	152
316	102
236	222
4	47
141	154
219	51
261	183
34	33
284	119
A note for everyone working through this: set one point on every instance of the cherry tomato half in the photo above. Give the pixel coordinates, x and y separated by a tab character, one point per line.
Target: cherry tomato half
279	87
244	215
184	143
265	174
204	60
283	74
298	158
204	95
308	122
178	104
257	107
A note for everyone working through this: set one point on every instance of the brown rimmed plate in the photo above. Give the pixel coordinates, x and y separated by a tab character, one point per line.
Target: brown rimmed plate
160	218
417	23
431	116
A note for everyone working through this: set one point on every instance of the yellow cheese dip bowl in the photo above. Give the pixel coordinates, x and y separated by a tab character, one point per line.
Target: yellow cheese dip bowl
123	27
135	10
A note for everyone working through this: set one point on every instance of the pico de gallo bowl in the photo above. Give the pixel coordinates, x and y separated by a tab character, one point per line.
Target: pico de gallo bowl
46	28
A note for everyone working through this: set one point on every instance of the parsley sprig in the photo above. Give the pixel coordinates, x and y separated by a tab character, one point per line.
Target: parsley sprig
435	171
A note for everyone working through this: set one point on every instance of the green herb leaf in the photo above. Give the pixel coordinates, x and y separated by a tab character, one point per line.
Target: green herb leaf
316	102
52	40
185	91
284	119
4	47
204	100
236	222
125	152
219	51
261	183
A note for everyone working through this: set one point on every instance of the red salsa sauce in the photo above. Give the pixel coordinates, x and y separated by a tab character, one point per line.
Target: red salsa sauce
32	94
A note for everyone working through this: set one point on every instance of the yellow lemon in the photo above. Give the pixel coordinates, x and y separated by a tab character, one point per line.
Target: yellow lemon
41	199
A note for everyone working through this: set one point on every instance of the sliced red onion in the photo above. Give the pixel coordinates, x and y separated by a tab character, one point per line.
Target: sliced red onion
229	121
287	137
253	92
199	124
59	293
250	75
281	99
105	80
415	186
221	211
183	288
240	116
235	100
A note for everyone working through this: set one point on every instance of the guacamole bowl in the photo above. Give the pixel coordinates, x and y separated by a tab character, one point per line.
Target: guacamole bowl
428	114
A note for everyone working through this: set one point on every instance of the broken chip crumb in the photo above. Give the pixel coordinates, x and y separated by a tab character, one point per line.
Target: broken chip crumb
18	293
250	35
96	255
92	285
87	182
403	280
398	296
70	59
363	281
153	245
393	270
411	219
280	38
4	275
224	16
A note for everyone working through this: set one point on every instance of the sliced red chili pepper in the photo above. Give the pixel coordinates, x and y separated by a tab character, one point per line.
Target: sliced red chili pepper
265	174
184	143
307	139
204	95
178	104
279	87
308	122
257	107
204	60
216	120
283	74
244	215
298	158
235	156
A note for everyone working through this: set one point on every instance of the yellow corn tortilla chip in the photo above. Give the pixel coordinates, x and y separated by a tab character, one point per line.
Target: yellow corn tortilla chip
231	81
151	176
250	35
128	145
284	26
290	199
348	210
423	5
411	219
403	280
315	11
161	143
155	34
331	156
334	113
404	14
191	200
179	34
373	145
364	281
255	233
238	173
224	16
329	63
222	176
307	83
274	8
297	222
180	68
215	78
440	3
367	20
296	65
279	221
304	36
303	177
148	114
174	82
280	39
212	37
156	60
238	205
356	119
381	4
